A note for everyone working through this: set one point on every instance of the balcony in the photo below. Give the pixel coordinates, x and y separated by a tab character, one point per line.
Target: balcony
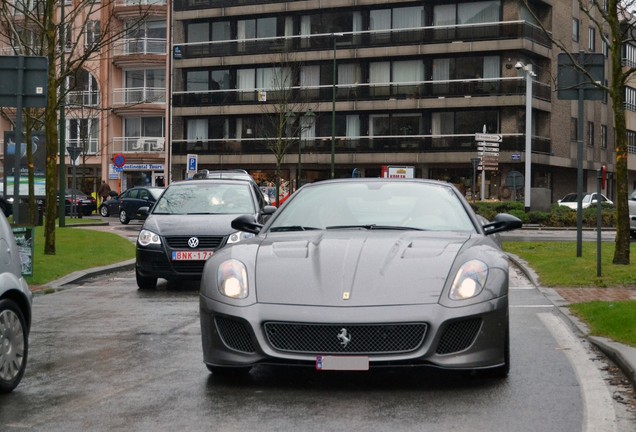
140	46
149	145
183	5
139	95
460	143
78	99
91	145
140	3
509	30
130	9
477	87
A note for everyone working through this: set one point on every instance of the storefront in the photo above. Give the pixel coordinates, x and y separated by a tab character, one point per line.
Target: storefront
130	175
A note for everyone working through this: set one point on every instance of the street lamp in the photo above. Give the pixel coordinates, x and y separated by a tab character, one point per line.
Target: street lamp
475	162
73	152
528	75
306	122
333	107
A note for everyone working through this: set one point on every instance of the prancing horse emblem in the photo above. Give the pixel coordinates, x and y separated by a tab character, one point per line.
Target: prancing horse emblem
344	337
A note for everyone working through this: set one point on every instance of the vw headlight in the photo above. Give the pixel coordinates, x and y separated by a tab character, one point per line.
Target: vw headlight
238	236
148	237
231	278
469	281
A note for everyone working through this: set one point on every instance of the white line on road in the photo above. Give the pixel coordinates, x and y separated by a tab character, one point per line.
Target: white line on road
597	401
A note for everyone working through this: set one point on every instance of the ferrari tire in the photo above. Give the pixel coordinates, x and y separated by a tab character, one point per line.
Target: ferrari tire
14	345
144	282
123	217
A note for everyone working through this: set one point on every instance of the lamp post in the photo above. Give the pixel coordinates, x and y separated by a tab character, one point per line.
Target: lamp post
306	123
73	152
333	107
475	162
528	75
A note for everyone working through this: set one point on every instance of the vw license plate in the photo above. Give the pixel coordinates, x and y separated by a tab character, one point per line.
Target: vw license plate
191	256
351	363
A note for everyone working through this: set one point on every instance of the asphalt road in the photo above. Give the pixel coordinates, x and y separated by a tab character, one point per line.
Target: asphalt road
108	357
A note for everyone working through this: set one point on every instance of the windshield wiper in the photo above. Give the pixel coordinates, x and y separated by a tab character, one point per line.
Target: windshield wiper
292	228
375	227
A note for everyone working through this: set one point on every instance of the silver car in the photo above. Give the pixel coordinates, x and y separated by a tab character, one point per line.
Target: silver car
353	274
15	311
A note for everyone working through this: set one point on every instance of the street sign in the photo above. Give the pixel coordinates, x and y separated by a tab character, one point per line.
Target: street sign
192	163
119	160
488	149
488	137
488	168
488	144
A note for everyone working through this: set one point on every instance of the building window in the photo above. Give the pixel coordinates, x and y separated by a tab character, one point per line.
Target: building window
83	133
631	142
590	134
630	99
591	39
92	35
629	55
574	129
603	136
605	45
575	29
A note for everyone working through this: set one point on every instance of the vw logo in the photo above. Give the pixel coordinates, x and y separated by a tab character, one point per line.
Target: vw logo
193	242
344	337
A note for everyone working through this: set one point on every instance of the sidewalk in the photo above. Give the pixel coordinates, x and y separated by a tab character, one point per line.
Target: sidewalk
623	356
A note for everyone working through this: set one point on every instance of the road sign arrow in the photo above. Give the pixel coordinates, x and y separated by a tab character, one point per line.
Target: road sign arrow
488	137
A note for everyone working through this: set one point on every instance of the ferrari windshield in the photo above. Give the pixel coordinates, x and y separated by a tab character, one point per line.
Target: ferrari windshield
374	205
206	197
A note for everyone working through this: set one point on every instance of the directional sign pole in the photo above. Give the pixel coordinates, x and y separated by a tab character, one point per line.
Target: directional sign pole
17	138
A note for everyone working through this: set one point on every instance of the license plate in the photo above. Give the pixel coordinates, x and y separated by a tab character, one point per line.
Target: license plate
191	256
345	363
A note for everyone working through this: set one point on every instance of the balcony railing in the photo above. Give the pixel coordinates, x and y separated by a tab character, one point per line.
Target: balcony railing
182	5
139	144
140	3
382	144
476	87
365	39
82	99
90	144
139	95
137	46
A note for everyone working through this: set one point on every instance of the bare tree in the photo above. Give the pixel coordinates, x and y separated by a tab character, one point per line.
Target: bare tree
615	25
285	111
69	37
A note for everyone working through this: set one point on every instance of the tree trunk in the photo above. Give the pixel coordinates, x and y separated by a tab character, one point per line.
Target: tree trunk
50	125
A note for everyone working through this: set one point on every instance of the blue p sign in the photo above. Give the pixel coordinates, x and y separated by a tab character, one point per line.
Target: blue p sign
192	164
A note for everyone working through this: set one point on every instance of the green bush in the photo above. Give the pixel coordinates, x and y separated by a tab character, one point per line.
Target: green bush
558	216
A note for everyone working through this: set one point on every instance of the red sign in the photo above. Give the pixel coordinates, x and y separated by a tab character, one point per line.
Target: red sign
119	160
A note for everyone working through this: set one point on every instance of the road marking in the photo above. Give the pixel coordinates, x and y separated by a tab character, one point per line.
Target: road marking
597	402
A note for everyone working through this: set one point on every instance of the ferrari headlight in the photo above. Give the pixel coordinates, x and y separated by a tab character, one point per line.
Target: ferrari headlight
469	281
148	237
231	278
238	236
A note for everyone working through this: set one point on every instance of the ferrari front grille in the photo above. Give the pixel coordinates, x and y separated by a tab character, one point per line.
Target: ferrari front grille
345	338
234	334
458	336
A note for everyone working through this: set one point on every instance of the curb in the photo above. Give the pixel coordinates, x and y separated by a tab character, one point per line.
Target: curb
623	355
81	275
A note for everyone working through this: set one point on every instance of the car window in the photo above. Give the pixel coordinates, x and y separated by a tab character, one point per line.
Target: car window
133	193
144	194
206	198
413	205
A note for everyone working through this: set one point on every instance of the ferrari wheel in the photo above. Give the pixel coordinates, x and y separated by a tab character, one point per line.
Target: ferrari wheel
14	345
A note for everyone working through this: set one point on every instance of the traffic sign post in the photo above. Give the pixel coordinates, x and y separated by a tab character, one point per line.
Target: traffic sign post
488	148
192	164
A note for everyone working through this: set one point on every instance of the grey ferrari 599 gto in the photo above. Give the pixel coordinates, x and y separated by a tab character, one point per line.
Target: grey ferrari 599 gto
354	274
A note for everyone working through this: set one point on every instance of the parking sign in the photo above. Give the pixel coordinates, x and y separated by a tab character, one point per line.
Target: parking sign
192	162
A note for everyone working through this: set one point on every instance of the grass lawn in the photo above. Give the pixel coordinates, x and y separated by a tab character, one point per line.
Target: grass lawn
557	265
76	249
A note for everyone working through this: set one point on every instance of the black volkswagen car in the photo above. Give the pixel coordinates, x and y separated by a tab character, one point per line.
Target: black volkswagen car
190	221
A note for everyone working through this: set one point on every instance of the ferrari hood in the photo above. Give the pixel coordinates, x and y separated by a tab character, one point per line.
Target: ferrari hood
355	268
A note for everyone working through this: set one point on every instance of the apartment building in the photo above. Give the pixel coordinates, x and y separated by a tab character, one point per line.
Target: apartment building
391	82
115	105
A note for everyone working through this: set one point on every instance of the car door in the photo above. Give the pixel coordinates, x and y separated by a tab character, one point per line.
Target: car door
129	201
